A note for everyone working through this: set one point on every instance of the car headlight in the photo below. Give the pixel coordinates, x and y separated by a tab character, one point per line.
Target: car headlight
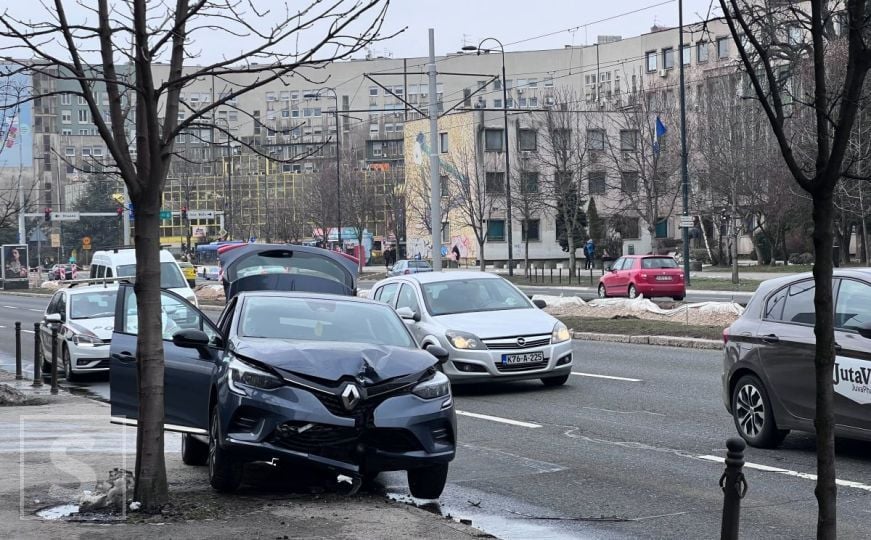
560	333
438	386
243	374
464	340
84	339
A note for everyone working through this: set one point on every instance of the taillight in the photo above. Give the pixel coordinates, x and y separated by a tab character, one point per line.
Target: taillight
725	336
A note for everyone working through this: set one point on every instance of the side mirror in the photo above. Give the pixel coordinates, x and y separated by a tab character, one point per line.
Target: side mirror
539	303
439	352
53	318
408	314
190	339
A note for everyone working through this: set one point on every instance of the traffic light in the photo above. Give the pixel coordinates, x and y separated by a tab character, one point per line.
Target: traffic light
120	211
184	212
47	212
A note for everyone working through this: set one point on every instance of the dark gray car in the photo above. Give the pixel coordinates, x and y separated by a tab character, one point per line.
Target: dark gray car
768	371
298	378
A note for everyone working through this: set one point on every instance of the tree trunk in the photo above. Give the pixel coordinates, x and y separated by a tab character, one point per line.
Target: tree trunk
824	359
526	255
733	254
570	242
151	485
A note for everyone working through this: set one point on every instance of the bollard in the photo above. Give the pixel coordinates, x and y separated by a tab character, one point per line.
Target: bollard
591	275
560	276
37	361
54	360
551	276
734	488
18	374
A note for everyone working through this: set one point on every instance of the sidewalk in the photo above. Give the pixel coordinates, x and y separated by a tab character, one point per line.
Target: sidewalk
50	453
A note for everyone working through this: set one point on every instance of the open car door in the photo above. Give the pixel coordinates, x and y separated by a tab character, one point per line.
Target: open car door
287	267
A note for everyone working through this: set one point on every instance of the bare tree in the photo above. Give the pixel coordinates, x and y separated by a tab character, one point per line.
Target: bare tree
786	46
137	34
566	153
527	199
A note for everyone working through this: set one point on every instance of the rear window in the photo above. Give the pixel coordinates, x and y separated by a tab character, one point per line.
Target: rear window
651	263
799	306
170	275
289	262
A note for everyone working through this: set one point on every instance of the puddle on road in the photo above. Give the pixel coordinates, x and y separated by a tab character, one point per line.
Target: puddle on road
58	512
508	528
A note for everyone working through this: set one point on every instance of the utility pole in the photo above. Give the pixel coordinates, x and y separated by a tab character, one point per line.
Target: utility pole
125	218
434	168
685	182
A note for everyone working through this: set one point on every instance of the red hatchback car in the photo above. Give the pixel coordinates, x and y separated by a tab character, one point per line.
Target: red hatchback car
648	275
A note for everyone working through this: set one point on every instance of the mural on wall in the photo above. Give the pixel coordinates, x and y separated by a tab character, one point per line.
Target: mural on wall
16	139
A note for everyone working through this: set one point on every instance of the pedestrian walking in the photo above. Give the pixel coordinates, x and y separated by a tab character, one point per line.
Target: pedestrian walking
456	253
589	253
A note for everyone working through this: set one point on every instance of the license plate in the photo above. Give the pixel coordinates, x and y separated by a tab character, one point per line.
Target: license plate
663	278
522	358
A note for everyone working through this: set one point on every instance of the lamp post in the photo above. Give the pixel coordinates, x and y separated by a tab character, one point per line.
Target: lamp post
508	219
338	163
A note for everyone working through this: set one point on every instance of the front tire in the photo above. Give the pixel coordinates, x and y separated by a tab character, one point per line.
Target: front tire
225	473
193	451
555	381
754	418
68	366
677	298
428	482
602	292
633	292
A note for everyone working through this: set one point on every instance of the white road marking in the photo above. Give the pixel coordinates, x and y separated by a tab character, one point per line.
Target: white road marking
611	377
499	419
36	310
787	472
11	307
28	331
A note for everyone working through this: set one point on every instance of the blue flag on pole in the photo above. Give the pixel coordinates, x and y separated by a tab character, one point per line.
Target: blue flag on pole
660	128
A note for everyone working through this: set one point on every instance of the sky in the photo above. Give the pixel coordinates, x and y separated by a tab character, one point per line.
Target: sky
519	24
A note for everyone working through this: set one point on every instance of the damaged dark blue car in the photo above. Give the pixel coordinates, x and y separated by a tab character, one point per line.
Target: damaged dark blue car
297	371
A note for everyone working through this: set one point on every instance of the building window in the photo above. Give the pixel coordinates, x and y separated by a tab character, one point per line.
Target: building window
65	99
497	103
668	58
97	152
530	230
597	182
495	182
687	55
628	140
444	185
270	96
627	227
373	91
84	116
723	48
82	100
284	95
595	139
494	140
629	181
496	230
443	143
86	151
446	232
529	182
66	132
528	140
66	117
70	151
651	60
71	169
701	52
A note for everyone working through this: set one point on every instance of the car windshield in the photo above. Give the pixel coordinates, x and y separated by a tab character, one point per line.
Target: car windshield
92	305
419	264
308	319
469	295
651	263
170	276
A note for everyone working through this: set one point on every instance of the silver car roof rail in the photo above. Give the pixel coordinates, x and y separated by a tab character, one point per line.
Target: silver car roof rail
97	281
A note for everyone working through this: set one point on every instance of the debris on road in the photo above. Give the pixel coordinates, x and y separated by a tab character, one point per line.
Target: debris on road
720	314
112	494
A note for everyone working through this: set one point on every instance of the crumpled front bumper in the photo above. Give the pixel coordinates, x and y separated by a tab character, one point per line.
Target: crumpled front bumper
291	424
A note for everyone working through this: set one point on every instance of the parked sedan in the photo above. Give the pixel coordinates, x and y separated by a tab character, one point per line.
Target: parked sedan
405	266
647	275
768	370
189	272
299	379
210	272
491	330
84	318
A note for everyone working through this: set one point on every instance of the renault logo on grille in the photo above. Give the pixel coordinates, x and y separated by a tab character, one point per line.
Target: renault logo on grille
521	342
350	396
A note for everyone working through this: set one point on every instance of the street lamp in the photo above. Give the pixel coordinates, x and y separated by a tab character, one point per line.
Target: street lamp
317	95
478	52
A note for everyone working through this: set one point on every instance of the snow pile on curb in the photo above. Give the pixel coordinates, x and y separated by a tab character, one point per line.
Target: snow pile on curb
701	313
210	292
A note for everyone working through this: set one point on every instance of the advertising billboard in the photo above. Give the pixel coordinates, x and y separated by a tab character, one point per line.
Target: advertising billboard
14	261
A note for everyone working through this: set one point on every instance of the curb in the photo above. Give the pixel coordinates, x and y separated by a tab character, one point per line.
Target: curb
662	341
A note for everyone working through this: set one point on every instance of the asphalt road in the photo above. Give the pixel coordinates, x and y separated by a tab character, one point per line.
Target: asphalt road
635	436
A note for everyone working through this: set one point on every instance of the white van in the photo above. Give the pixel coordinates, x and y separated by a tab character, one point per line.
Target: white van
121	262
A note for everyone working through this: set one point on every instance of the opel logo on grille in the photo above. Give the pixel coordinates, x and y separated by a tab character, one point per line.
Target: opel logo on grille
521	342
350	396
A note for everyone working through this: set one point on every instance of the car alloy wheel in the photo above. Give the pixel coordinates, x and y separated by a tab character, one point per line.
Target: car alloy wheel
633	292
751	410
225	473
602	292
